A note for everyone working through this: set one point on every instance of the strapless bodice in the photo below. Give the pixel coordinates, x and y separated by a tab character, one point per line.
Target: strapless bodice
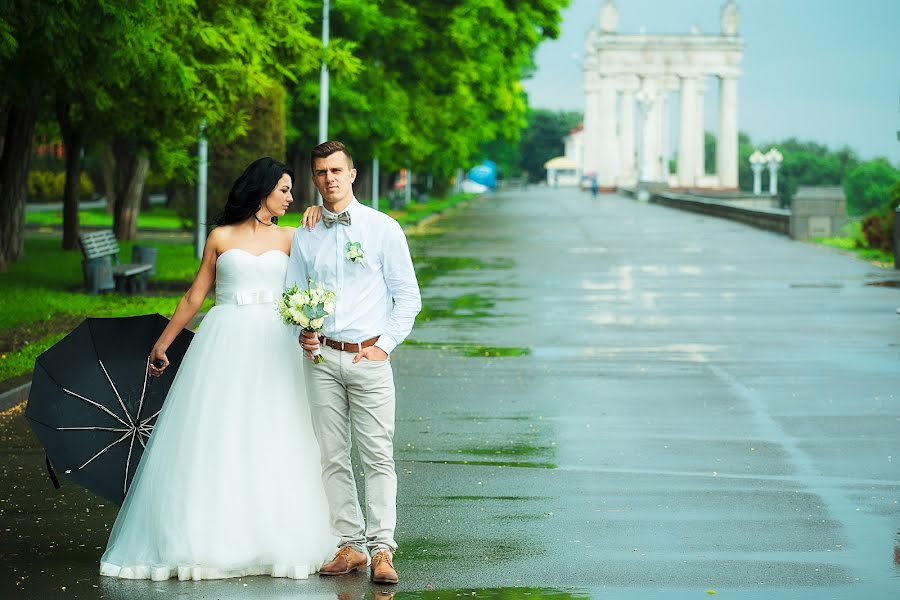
246	278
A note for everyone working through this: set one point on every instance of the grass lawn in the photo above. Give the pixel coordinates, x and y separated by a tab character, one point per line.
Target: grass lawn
42	297
852	240
166	218
158	218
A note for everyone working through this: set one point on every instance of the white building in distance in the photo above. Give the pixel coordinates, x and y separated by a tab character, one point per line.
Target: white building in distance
632	82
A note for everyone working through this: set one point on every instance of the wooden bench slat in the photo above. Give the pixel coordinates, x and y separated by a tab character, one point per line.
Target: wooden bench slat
127	270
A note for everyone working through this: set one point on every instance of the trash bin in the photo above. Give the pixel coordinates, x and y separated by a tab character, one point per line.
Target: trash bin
98	274
145	255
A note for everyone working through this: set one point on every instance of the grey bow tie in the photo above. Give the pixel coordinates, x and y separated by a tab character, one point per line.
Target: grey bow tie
343	218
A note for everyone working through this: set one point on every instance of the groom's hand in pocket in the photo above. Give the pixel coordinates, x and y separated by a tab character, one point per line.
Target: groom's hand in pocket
309	341
373	353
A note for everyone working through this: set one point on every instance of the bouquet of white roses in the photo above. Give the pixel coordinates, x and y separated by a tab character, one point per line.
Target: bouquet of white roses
307	308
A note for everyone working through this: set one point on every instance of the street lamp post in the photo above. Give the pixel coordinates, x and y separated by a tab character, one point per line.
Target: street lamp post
757	163
202	164
323	84
773	159
375	183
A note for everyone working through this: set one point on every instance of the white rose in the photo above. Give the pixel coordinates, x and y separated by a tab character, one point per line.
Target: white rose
303	321
329	307
295	314
317	323
296	299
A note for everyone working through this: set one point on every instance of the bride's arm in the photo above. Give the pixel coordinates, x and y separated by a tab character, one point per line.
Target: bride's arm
188	306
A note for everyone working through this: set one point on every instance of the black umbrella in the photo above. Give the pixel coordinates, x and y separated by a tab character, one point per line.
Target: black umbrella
92	404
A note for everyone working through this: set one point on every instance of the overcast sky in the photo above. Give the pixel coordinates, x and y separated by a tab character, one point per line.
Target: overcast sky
823	70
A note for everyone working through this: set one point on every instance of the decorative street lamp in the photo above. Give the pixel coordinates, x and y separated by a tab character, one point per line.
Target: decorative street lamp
757	163
773	158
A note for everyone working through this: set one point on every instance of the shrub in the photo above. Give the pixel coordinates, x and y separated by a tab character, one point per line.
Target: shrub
49	185
868	186
878	227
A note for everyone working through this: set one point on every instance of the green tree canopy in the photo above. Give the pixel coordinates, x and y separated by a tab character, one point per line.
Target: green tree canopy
868	186
543	139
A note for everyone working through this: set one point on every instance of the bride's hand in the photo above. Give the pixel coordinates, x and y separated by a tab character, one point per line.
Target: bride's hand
157	356
311	217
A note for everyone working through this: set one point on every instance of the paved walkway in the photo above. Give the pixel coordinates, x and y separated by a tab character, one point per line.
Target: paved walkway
705	406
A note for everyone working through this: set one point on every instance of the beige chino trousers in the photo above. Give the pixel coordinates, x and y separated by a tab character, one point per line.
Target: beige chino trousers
357	400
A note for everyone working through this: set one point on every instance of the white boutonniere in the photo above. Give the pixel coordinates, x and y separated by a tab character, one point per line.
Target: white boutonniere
354	252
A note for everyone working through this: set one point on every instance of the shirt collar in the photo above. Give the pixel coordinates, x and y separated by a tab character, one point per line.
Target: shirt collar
353	203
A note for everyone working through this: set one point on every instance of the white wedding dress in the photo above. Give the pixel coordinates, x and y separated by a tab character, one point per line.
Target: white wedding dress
230	483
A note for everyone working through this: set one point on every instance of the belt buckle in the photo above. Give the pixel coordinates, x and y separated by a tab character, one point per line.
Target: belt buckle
342	346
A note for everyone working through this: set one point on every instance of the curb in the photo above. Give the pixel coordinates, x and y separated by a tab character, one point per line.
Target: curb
14	397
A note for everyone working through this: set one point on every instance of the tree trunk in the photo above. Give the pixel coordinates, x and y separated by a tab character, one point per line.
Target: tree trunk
4	116
14	163
73	141
131	171
304	191
108	166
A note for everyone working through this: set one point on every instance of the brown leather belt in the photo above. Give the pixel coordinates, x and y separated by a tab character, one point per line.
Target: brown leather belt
348	346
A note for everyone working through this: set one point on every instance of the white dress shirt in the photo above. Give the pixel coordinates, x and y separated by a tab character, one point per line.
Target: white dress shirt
378	296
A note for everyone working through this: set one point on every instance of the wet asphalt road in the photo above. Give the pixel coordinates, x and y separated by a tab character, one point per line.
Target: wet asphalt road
701	407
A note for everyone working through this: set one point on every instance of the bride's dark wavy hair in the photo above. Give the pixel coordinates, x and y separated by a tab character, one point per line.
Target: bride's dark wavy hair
251	188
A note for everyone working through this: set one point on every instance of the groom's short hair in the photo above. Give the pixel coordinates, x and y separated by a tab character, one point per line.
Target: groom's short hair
326	149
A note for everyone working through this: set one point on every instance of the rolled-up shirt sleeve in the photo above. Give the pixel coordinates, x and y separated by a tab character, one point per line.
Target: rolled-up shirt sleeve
400	277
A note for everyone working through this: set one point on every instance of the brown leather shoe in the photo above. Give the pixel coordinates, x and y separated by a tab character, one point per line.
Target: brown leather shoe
383	567
346	560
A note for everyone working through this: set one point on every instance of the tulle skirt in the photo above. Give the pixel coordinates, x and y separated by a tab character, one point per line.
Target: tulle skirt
230	483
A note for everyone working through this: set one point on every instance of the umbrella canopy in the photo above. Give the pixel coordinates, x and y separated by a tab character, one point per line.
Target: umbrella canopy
92	404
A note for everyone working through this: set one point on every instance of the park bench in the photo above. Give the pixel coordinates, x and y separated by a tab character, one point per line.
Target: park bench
102	269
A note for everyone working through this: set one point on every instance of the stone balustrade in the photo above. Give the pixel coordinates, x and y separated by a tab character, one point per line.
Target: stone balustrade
815	211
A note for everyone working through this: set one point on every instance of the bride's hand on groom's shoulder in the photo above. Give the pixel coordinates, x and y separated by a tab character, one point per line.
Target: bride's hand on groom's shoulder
373	353
311	217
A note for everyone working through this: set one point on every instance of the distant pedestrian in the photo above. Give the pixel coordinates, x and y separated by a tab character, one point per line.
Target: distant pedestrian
595	188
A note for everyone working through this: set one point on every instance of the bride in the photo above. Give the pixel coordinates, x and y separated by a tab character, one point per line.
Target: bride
230	483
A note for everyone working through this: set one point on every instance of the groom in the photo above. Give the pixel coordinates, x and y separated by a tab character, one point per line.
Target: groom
362	255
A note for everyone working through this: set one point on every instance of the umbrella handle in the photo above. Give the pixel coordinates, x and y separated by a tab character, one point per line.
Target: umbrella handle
51	472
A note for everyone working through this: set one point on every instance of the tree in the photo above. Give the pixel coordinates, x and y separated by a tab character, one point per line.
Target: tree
438	81
868	186
543	139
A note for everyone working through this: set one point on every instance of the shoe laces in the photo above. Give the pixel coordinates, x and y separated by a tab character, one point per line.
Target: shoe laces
383	556
344	552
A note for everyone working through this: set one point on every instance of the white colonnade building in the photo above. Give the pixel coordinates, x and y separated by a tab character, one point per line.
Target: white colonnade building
631	83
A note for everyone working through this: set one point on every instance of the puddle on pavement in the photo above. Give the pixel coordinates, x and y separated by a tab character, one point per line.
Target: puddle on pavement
467	306
893	283
490	463
471	350
510	498
430	267
511	593
508	450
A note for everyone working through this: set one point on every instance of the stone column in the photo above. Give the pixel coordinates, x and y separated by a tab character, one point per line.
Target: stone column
687	133
727	144
608	150
626	137
700	163
650	138
662	128
590	152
